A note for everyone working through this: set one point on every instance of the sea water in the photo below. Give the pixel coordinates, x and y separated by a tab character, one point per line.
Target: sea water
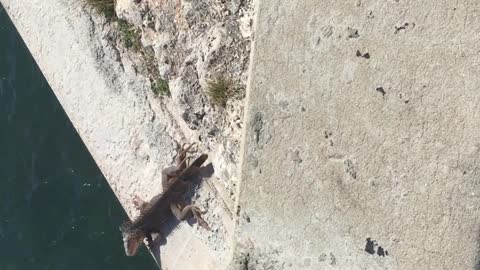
56	209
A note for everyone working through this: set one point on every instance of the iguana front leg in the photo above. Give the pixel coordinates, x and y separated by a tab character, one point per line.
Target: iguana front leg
182	214
149	238
139	204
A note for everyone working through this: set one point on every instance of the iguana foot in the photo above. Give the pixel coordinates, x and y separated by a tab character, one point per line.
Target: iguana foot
184	150
149	242
184	163
139	204
182	154
197	213
183	213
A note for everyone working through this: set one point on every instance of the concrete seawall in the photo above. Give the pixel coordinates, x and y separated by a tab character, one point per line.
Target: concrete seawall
361	138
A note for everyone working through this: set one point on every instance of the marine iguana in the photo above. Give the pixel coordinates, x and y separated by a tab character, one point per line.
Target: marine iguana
153	215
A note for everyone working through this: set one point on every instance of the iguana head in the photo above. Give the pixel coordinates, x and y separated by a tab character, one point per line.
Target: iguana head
131	238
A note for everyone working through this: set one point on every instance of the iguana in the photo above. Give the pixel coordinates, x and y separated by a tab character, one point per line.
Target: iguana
153	215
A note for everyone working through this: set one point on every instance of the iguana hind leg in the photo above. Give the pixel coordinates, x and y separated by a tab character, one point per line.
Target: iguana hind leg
170	173
183	213
182	156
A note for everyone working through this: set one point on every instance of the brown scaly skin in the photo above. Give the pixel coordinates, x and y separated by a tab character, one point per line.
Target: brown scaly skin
175	181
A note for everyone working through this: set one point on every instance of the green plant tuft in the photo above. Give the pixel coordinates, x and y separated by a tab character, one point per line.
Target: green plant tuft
219	90
130	35
160	87
106	7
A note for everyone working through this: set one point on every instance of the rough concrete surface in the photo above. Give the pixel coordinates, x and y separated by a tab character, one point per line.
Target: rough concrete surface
133	134
362	138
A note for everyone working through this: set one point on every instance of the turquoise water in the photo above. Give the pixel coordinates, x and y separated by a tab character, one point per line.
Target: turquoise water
56	208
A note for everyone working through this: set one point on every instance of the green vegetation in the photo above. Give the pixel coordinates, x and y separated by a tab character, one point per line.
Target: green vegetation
219	90
160	87
131	38
106	7
130	35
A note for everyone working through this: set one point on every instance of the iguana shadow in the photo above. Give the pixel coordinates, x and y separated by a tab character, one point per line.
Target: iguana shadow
172	224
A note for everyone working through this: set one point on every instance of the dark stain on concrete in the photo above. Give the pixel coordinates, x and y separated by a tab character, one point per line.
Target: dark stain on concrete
380	252
370	15
333	260
381	90
364	55
403	27
296	157
350	169
257	124
352	32
372	247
